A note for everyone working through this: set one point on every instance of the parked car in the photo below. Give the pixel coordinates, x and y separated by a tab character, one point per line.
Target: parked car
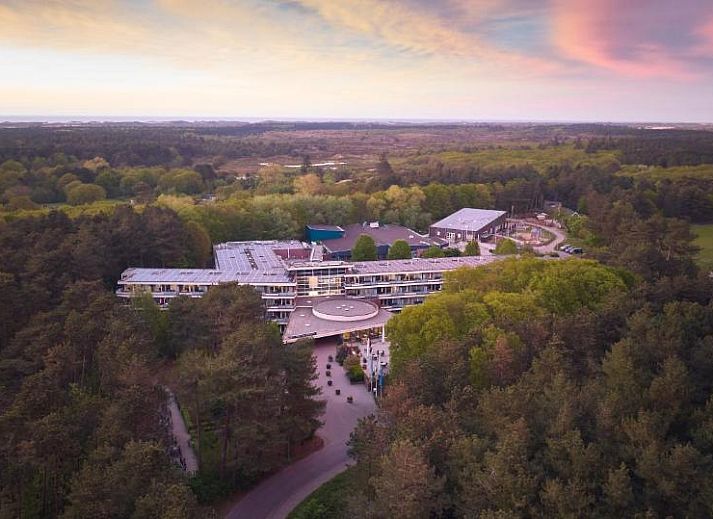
577	250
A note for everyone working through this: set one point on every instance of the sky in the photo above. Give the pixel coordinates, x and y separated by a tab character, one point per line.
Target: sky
540	60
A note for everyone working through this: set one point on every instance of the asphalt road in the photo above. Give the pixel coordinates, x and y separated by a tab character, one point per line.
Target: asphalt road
278	495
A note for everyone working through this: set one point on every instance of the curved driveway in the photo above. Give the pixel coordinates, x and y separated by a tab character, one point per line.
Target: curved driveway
560	236
276	496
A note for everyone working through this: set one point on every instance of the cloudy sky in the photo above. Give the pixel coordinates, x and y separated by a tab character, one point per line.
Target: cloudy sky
613	60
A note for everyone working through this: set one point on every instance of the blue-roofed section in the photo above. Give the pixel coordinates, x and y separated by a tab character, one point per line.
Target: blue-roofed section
319	233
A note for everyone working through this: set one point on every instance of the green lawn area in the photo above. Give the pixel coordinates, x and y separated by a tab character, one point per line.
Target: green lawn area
704	240
328	501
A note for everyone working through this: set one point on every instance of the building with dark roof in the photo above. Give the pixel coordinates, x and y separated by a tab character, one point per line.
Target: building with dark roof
384	235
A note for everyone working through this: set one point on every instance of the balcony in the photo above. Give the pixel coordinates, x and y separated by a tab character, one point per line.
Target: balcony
278	295
384	284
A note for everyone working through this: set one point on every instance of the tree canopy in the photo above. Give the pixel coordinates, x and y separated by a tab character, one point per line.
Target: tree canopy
541	388
472	248
364	249
433	252
400	249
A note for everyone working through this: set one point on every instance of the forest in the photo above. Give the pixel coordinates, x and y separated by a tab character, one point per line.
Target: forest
83	417
530	388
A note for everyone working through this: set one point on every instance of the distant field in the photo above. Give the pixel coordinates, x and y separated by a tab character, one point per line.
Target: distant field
702	172
704	240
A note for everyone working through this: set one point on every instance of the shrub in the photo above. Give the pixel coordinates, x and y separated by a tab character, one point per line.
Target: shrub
352	365
505	246
433	252
355	373
472	249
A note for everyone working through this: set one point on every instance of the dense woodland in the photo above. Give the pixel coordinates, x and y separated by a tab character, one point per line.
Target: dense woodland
529	388
544	389
83	417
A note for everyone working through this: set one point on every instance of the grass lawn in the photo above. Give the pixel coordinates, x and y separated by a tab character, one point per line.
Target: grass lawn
328	501
704	240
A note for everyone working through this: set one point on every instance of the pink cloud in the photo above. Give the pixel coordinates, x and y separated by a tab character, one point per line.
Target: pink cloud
630	38
706	34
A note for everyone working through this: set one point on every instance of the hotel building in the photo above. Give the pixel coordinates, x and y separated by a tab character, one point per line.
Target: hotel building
293	275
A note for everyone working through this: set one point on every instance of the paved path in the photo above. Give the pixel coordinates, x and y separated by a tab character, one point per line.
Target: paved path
180	433
278	495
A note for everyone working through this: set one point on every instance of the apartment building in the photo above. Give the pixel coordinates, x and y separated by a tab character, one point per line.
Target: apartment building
260	264
399	283
285	271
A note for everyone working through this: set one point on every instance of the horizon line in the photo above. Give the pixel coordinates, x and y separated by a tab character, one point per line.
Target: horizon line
97	118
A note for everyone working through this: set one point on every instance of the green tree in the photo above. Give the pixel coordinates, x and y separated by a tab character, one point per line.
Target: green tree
505	247
184	181
110	180
308	184
272	179
433	252
21	202
133	483
199	245
364	249
84	194
472	248
400	249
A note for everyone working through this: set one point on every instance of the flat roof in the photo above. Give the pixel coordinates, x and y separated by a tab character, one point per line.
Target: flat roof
150	276
320	227
262	263
257	261
383	235
191	276
304	324
420	264
469	219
